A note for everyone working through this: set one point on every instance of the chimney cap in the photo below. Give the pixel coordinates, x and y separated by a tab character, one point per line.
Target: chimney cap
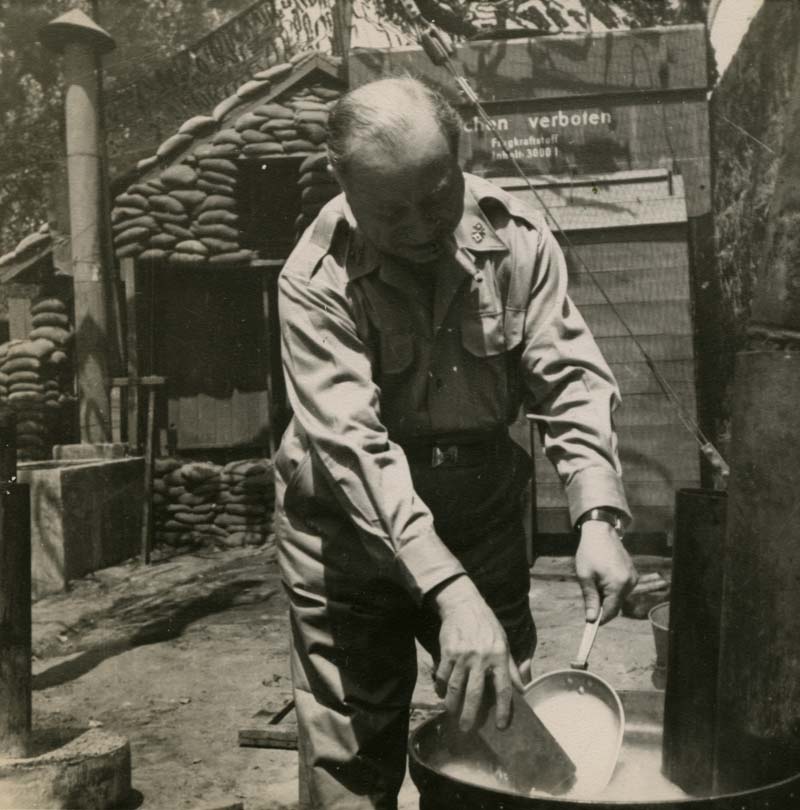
75	26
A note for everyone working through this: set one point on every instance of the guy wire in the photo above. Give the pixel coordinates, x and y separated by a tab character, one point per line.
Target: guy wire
691	425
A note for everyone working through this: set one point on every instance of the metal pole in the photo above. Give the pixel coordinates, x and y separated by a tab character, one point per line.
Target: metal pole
81	40
15	600
83	166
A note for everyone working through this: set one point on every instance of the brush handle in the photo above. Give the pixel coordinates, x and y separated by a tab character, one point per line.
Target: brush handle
587	642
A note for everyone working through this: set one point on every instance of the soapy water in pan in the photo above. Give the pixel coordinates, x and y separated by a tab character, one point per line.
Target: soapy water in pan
577	722
636	778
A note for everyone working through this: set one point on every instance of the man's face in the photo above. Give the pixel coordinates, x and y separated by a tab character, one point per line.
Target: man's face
407	200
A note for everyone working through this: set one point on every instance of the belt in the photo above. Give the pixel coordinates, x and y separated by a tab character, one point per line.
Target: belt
469	450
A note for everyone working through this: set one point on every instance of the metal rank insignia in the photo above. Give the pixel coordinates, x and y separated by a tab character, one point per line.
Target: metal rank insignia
478	232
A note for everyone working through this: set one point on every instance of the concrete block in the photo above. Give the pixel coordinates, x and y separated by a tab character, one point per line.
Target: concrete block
92	770
90	451
85	515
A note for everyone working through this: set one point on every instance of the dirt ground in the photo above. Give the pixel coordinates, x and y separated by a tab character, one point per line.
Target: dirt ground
177	657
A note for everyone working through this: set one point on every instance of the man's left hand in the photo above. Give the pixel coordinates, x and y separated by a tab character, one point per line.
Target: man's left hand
605	570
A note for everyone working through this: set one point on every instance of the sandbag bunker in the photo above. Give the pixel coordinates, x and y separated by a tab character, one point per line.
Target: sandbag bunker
36	378
184	209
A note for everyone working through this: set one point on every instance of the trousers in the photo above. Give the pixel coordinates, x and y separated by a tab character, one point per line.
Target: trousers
354	624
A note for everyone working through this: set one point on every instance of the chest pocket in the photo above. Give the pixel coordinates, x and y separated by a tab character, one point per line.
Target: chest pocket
492	322
486	334
483	334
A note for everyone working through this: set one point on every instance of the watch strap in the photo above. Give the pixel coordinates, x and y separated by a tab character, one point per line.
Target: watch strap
610	516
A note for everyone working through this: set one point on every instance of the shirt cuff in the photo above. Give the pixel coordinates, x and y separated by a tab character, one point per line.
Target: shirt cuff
593	487
425	563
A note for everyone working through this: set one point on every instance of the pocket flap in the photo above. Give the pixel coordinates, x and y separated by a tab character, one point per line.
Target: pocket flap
490	334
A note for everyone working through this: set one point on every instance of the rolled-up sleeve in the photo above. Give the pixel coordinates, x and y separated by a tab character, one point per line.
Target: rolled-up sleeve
572	392
336	402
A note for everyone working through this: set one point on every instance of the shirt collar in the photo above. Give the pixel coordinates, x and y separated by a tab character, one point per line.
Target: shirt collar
474	234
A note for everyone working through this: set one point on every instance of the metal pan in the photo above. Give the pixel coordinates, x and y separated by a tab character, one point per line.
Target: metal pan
637	785
584	714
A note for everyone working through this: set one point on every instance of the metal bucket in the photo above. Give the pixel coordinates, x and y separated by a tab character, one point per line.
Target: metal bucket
659	622
638	783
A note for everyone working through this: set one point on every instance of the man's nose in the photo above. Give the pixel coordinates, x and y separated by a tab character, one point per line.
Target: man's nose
419	226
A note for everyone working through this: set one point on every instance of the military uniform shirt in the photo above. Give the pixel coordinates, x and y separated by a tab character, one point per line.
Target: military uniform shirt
374	357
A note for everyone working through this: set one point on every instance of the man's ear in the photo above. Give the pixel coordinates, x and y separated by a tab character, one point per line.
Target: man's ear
333	170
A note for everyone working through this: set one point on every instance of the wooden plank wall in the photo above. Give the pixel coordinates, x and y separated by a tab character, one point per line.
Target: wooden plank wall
19	318
646	270
209	344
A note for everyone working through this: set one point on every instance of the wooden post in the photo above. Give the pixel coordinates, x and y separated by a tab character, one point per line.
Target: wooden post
276	385
128	270
151	383
15	600
690	701
147	513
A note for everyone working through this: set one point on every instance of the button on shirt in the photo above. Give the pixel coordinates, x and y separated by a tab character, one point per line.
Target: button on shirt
377	353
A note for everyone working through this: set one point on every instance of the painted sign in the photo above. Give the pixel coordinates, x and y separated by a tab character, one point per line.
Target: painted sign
542	141
593	139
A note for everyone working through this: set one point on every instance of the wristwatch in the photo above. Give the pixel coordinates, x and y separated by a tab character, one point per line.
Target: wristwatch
607	515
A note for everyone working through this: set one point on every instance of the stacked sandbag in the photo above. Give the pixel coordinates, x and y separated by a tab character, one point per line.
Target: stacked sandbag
50	321
160	500
216	225
186	214
191	503
38	242
317	186
197	502
246	502
35	378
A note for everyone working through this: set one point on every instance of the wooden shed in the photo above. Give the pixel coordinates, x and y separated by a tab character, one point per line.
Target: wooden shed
202	233
612	130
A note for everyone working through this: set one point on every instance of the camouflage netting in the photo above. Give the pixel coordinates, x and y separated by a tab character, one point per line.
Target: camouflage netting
749	107
36	378
184	209
200	503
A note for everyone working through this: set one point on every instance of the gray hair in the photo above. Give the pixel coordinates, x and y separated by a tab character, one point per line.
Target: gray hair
382	111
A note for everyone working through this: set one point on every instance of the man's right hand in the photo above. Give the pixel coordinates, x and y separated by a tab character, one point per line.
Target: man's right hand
473	646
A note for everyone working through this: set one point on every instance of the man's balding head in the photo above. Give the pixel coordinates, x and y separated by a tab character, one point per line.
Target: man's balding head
393	148
386	114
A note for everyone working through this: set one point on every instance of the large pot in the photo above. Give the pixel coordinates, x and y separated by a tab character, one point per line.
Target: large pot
637	785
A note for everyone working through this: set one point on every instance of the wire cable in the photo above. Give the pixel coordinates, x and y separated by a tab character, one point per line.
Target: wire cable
442	56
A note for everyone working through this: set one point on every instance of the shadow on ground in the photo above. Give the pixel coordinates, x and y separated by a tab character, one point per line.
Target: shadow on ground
135	622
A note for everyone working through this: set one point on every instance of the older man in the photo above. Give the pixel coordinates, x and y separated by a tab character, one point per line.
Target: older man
418	312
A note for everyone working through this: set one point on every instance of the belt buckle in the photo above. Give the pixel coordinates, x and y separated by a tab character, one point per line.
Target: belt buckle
444	455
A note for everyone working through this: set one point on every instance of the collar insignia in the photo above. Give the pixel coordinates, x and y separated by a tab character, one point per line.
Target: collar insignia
478	232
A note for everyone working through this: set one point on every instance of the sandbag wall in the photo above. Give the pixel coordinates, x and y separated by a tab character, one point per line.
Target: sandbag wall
36	378
185	213
201	503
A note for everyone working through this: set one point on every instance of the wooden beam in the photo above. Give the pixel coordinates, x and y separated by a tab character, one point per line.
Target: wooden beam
19	318
15	600
276	385
128	272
